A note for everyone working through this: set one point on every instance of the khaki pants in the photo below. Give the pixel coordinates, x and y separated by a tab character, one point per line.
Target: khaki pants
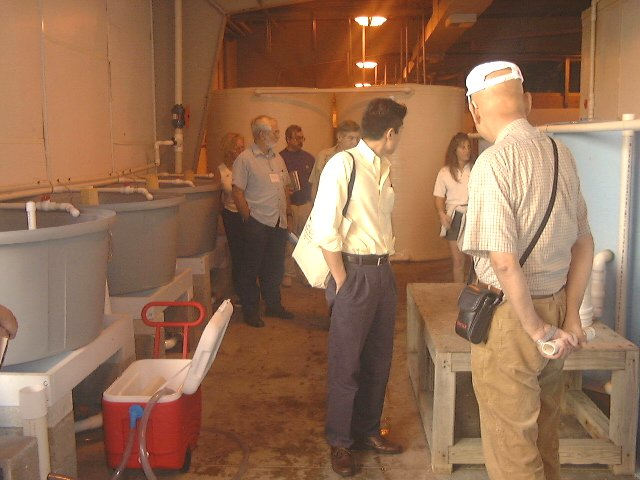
519	394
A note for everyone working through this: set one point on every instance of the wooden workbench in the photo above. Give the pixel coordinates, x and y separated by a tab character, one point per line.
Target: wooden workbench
435	354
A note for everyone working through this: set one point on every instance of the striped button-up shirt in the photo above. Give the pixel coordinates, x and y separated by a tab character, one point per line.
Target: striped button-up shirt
509	191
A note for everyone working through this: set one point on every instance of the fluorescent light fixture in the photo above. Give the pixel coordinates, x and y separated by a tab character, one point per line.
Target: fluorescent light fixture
362	85
370	21
367	64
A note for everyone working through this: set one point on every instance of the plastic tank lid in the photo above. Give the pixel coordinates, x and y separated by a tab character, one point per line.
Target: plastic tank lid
207	348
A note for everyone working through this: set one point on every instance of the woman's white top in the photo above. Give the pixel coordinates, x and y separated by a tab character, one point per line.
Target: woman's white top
227	185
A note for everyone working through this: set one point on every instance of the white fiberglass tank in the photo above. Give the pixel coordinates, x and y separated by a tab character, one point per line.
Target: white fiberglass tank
53	280
435	114
233	109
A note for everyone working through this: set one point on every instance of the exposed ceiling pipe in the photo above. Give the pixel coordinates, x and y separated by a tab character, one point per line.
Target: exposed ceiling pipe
449	20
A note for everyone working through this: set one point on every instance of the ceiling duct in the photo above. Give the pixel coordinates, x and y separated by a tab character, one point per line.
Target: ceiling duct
449	20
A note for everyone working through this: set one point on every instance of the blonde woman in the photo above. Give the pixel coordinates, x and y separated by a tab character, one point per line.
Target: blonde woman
451	195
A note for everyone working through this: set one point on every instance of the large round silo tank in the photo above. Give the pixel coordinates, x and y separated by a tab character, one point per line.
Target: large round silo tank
434	115
233	109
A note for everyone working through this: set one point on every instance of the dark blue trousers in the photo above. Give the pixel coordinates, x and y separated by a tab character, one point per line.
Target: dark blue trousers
262	260
360	349
233	229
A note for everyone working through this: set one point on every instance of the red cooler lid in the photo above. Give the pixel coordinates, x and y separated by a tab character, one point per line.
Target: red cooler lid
207	348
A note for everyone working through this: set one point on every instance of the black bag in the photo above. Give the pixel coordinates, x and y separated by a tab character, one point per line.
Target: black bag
454	229
476	304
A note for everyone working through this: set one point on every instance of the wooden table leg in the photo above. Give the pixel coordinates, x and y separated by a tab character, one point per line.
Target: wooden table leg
444	406
624	413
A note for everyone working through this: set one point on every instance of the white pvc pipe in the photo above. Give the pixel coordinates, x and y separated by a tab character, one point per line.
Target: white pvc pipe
31	190
625	214
54	206
178	81
89	423
597	288
178	181
128	190
156	148
592	60
31	215
43	207
33	412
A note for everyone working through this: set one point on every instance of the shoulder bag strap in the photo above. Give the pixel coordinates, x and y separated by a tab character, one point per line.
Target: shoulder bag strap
352	180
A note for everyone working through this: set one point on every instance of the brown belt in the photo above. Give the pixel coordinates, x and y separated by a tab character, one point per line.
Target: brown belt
365	259
497	291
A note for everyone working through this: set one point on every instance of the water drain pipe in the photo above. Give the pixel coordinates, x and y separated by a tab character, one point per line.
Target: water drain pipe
89	423
156	148
598	275
178	111
31	215
31	207
33	412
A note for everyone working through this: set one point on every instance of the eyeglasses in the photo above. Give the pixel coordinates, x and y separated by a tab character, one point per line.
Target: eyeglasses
298	138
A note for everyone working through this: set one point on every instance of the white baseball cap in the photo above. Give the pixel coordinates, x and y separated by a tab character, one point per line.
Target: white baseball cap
477	79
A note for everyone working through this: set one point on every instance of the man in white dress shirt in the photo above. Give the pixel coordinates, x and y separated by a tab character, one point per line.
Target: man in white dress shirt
362	292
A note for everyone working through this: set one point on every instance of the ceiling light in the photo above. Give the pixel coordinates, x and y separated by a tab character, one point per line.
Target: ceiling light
370	21
367	64
363	85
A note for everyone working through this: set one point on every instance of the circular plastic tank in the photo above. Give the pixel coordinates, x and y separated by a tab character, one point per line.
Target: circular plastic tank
53	280
435	114
233	109
197	215
145	238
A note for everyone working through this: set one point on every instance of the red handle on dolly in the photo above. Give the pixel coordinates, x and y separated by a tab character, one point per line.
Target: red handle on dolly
185	325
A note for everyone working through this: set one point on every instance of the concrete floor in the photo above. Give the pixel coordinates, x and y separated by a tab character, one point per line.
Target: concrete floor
263	404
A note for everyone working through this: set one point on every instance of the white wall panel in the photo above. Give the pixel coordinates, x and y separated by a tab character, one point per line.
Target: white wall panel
131	60
77	99
22	158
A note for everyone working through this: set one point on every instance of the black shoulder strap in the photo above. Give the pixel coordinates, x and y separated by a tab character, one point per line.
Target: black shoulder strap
527	252
352	180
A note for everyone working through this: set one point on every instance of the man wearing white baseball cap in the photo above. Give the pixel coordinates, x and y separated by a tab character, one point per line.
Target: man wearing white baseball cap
517	386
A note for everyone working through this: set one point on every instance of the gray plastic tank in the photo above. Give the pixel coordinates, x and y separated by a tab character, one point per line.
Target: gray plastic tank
53	280
144	238
198	215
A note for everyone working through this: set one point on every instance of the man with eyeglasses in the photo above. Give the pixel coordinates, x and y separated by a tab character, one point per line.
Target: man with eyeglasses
348	135
299	164
260	183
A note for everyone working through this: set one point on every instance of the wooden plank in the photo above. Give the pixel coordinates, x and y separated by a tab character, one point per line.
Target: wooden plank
592	419
466	451
437	303
624	413
443	412
586	451
596	359
574	451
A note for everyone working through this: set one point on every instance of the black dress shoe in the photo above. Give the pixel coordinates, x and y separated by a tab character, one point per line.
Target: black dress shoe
253	320
278	312
378	444
343	462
